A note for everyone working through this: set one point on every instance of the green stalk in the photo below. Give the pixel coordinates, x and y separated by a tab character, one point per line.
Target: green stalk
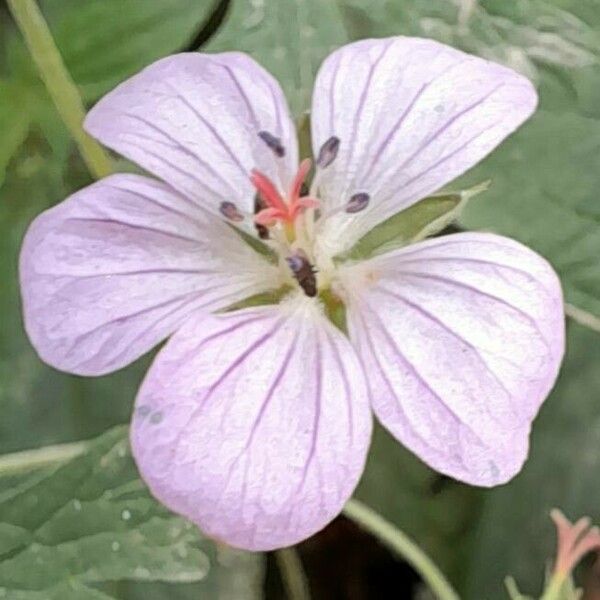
554	591
28	460
60	85
292	574
399	543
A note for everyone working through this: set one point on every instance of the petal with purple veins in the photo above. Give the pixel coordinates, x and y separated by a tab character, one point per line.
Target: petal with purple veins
201	123
462	337
117	267
411	115
261	424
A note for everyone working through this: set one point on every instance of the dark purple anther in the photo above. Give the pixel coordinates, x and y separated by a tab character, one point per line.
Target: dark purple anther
273	142
357	203
328	152
229	210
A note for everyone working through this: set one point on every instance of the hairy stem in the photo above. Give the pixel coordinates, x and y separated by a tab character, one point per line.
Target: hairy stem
399	543
60	85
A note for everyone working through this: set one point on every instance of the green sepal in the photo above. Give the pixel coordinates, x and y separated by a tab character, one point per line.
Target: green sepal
262	299
423	219
335	309
256	244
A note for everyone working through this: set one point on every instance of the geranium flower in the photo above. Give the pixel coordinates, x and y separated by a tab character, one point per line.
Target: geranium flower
255	423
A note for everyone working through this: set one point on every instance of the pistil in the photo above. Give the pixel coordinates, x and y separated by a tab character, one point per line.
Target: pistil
279	210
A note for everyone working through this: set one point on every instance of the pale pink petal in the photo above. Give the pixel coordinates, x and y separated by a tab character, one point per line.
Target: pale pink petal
117	267
410	115
202	123
255	424
461	337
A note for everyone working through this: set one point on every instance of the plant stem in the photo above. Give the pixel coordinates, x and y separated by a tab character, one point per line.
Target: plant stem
292	574
60	85
42	457
403	546
554	589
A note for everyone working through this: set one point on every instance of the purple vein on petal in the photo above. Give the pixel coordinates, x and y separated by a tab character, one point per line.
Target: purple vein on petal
477	290
438	132
339	363
398	404
468	259
332	88
161	158
265	403
434	319
209	126
166	207
439	162
152	230
398	125
149	271
395	129
242	93
317	414
176	144
181	298
235	364
392	343
362	101
201	304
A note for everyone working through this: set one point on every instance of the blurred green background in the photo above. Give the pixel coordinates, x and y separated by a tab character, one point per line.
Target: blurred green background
545	193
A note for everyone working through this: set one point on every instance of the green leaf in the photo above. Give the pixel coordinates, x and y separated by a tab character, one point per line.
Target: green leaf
433	510
105	41
288	37
425	218
530	36
92	521
516	535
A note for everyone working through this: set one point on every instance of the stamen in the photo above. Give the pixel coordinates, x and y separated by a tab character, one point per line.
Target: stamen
273	142
274	207
328	152
230	211
358	202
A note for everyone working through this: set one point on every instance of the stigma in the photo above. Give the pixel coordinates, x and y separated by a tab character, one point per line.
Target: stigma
277	208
